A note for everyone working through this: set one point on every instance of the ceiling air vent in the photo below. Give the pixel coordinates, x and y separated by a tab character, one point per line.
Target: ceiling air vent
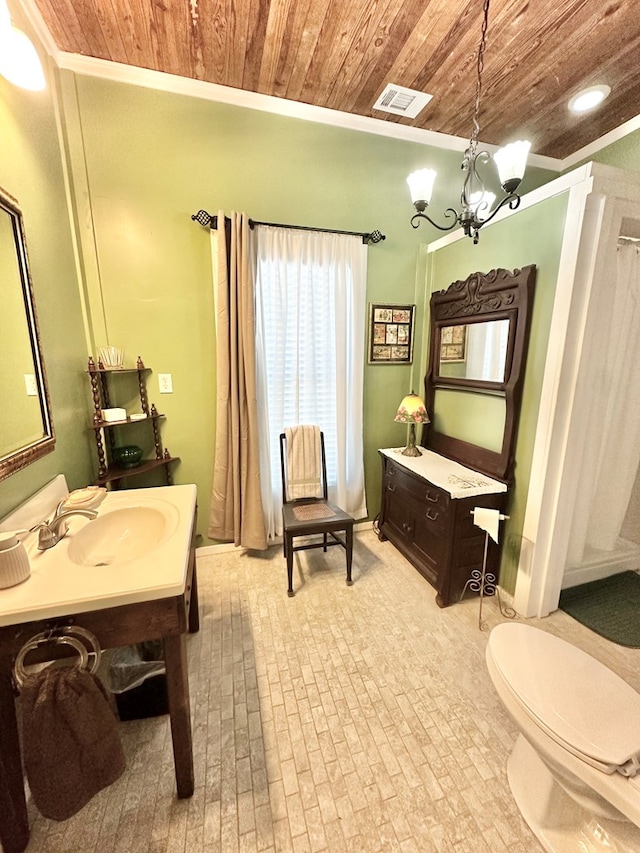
401	102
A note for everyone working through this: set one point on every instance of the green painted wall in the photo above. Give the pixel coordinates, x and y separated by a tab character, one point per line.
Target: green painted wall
151	159
468	416
624	154
532	236
31	171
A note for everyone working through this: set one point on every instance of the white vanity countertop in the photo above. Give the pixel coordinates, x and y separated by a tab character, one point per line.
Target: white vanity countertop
58	586
459	481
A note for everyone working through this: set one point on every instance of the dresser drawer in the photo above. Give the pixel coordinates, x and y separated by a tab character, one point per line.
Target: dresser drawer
433	530
398	478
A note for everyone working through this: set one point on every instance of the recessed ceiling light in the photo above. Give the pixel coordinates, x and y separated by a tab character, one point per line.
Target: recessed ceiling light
588	98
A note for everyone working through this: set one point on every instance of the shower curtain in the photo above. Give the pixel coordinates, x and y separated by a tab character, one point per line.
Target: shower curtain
612	431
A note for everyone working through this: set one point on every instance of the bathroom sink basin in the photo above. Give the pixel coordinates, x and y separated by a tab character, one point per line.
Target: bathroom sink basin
138	549
121	535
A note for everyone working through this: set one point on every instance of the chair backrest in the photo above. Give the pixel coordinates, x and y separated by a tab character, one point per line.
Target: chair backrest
303	464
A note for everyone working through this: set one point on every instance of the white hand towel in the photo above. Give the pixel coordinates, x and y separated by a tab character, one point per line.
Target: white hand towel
303	462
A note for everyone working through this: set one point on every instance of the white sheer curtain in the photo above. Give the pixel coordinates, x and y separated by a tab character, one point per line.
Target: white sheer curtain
612	440
310	344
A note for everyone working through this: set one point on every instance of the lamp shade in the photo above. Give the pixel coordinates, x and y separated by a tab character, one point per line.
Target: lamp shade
512	162
412	410
421	185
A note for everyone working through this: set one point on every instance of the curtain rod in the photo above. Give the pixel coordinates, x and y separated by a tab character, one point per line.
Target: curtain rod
208	221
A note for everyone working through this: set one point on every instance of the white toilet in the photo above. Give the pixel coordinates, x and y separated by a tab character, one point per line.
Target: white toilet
573	768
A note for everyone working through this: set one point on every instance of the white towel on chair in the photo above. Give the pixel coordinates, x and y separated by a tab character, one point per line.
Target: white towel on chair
304	467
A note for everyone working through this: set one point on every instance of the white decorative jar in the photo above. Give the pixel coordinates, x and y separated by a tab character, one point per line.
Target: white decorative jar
14	562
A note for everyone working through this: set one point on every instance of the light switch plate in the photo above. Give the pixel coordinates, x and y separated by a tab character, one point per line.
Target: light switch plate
165	383
31	385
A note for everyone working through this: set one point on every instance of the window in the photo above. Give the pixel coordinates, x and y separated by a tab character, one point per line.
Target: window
310	330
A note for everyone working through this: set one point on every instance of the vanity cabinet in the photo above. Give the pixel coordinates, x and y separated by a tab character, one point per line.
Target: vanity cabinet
108	471
431	524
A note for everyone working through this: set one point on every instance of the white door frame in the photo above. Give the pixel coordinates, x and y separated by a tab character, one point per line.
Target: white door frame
598	201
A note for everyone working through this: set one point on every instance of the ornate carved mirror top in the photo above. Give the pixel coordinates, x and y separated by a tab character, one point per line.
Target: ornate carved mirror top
477	353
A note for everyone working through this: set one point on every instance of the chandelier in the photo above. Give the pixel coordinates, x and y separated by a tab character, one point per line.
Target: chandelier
476	203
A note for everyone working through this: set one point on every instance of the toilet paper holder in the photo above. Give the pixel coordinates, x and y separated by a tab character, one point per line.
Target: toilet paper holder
480	580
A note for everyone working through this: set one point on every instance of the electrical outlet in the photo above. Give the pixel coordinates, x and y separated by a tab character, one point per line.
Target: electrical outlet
165	383
31	385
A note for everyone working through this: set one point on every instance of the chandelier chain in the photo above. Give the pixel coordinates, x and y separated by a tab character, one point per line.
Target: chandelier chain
473	142
476	205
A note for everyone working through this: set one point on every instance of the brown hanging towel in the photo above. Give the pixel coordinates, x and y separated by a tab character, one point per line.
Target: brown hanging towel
71	744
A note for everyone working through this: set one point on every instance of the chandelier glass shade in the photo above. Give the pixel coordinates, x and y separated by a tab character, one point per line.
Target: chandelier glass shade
476	203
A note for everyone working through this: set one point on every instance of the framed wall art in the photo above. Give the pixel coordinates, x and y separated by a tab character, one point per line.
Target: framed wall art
390	333
453	343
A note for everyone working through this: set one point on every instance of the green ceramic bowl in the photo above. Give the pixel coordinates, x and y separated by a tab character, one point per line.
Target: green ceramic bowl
128	456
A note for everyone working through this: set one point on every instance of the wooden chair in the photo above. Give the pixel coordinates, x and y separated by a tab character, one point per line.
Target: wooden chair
310	516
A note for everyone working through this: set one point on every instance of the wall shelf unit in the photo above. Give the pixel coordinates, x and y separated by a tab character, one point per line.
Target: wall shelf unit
108	471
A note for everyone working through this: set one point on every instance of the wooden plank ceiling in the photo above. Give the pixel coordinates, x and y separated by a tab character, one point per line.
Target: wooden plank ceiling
341	53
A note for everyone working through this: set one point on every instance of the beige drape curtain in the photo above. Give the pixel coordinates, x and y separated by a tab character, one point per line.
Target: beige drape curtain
236	505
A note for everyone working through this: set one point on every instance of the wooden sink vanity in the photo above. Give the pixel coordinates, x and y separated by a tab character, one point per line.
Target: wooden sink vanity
165	608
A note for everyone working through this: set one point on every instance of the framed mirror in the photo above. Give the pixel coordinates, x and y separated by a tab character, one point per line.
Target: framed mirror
479	333
475	352
26	427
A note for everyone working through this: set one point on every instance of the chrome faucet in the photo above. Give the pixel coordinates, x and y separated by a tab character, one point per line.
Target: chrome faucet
51	532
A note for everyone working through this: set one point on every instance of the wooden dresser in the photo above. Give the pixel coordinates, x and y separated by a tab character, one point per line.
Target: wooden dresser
426	513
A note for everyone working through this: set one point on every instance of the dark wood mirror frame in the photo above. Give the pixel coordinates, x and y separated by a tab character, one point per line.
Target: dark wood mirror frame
31	450
496	295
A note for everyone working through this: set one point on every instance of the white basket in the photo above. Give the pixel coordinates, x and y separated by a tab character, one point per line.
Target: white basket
111	357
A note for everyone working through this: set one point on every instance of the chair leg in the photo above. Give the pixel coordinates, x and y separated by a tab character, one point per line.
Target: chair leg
349	550
289	555
325	540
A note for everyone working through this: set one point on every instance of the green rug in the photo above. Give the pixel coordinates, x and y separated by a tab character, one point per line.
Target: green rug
610	607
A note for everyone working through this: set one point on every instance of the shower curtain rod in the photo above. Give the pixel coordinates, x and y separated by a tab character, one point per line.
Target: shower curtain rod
208	221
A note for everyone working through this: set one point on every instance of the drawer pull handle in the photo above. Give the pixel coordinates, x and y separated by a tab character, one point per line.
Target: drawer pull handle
431	515
391	487
429	497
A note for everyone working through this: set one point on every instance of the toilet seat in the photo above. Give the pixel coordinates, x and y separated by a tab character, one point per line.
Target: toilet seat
577	701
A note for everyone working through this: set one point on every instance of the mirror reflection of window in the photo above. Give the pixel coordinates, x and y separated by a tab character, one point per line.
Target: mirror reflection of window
482	352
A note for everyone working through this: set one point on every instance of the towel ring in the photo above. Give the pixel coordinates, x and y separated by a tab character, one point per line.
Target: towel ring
90	642
19	672
85	647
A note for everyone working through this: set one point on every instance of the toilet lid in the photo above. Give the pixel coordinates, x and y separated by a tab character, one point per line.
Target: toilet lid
579	702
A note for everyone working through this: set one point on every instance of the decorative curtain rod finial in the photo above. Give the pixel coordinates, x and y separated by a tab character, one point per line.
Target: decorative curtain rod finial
374	237
203	218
